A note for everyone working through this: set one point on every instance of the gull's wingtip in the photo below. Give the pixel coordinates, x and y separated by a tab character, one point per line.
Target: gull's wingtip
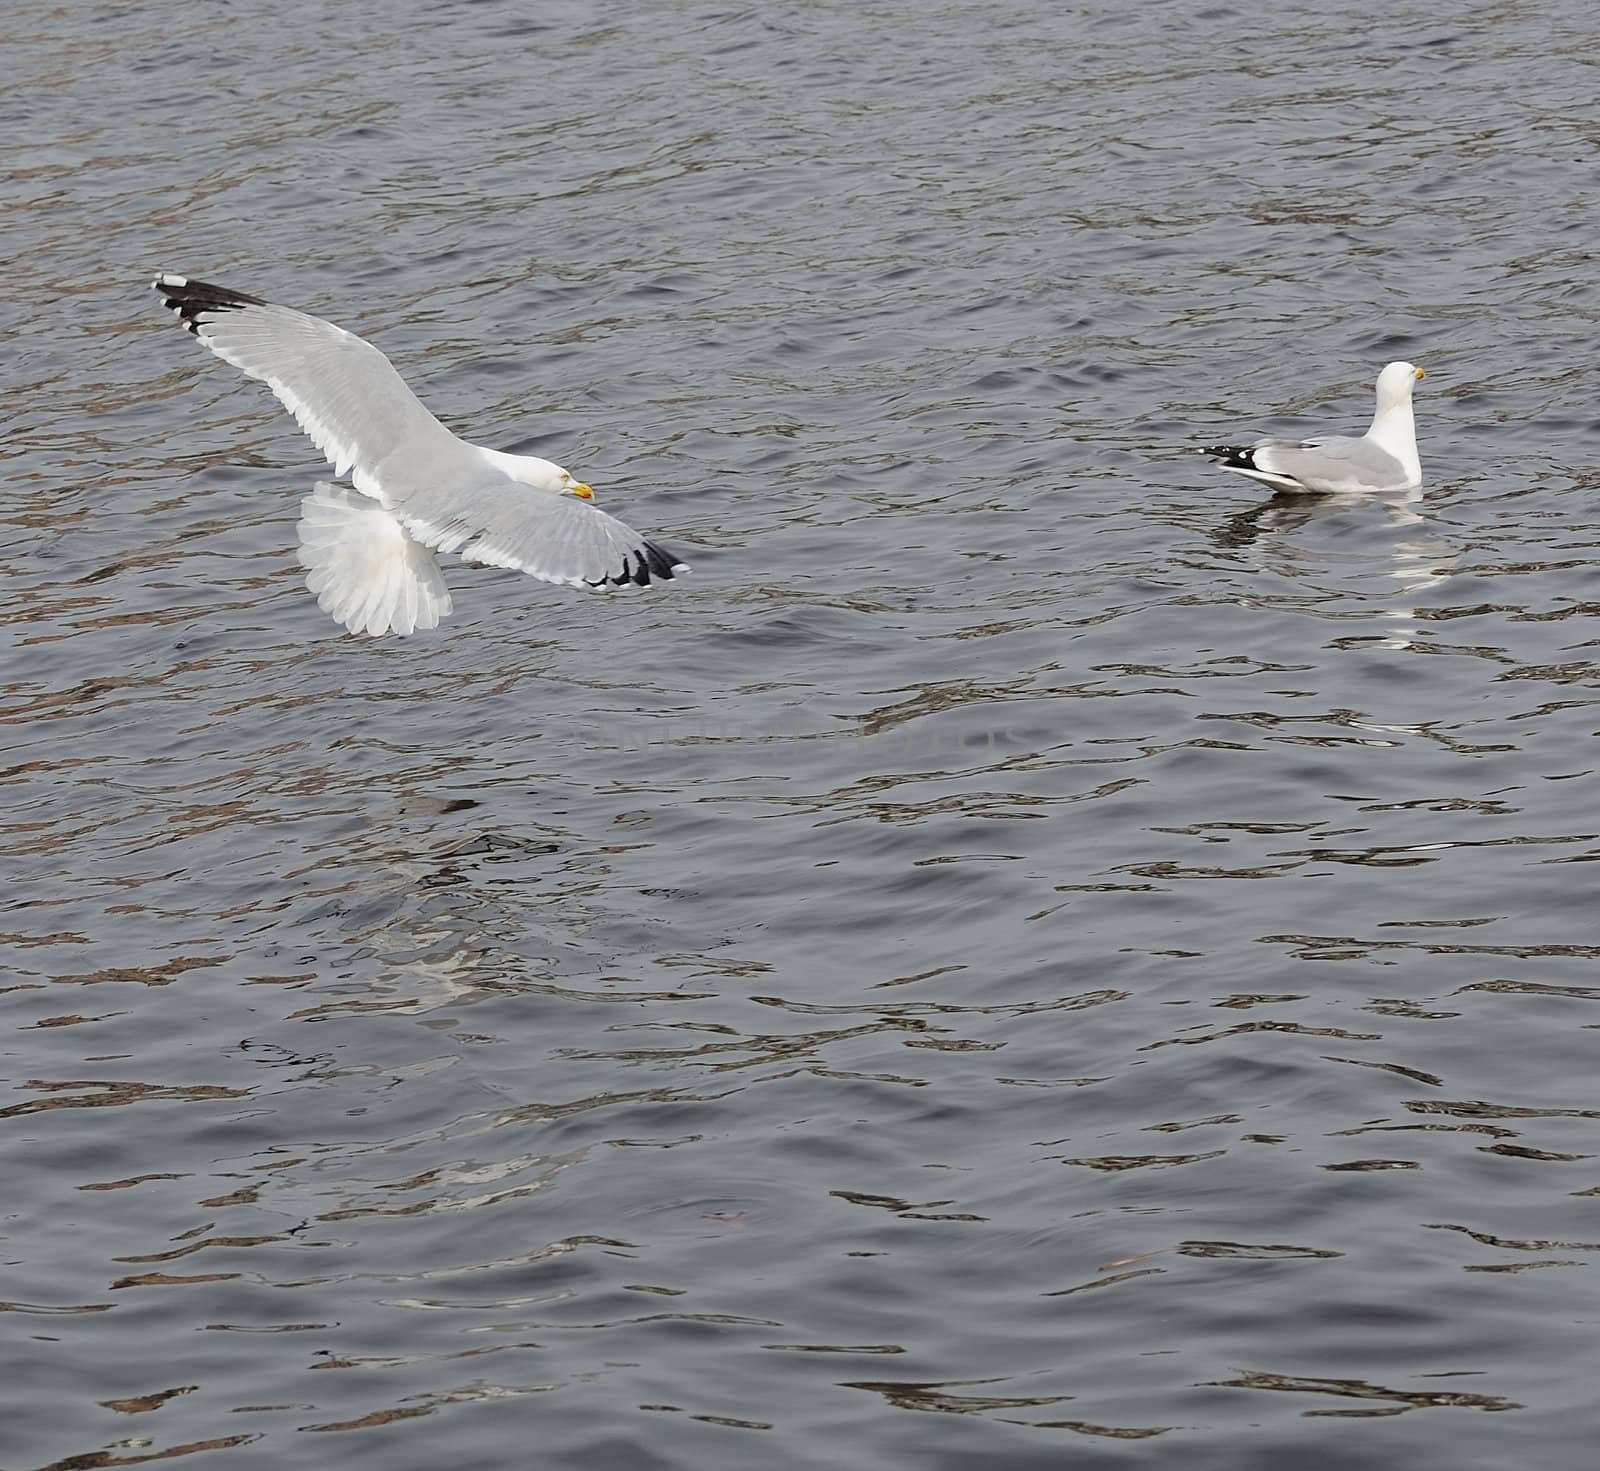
656	559
641	565
190	298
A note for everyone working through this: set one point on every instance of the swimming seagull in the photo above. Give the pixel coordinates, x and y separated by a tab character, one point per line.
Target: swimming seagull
367	556
1384	458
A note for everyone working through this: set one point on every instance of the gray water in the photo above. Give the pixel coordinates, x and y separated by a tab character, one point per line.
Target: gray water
1035	954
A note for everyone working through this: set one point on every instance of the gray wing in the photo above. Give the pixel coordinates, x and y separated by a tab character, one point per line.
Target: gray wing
500	522
341	390
1332	463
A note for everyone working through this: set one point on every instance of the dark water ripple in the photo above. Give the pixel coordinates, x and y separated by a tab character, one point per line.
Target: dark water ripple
1031	953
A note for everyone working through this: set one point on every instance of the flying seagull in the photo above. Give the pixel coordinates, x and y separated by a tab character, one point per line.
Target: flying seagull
1384	458
368	554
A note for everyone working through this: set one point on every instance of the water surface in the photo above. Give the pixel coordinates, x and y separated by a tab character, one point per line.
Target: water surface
1036	954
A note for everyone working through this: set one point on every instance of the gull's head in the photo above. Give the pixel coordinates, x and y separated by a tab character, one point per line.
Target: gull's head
543	475
1396	381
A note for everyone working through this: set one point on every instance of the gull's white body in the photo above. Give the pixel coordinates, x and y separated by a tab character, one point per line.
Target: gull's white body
367	555
1383	459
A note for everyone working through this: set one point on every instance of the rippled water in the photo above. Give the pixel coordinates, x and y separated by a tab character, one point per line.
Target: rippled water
1034	955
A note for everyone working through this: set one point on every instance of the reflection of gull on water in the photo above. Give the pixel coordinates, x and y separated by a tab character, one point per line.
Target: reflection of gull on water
1420	562
1419	558
1382	459
368	555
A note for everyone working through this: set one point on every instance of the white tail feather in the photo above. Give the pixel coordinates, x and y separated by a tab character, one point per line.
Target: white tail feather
366	572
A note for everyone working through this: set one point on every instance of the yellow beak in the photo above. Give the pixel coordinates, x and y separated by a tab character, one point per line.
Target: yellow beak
584	493
1421	374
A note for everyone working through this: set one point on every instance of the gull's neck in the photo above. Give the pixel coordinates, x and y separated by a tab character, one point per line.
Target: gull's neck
529	469
1394	430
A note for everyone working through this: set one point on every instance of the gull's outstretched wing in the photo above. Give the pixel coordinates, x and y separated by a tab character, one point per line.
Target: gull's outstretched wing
342	391
501	523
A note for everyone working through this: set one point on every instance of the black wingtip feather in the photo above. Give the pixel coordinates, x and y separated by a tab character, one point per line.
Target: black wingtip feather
659	561
639	567
189	298
1235	456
